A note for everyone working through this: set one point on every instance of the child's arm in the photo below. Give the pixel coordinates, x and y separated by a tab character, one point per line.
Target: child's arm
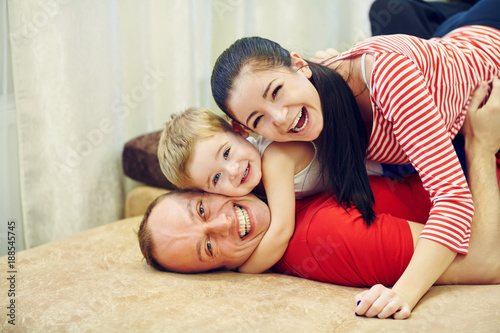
281	161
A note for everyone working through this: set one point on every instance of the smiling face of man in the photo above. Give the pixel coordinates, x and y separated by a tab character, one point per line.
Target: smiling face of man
196	231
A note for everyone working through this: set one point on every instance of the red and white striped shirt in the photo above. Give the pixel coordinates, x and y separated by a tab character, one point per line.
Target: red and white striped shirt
420	91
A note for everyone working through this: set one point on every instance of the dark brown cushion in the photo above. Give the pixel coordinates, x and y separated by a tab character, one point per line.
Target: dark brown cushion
140	161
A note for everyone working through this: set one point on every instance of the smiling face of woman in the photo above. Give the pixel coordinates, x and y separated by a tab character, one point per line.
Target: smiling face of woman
279	104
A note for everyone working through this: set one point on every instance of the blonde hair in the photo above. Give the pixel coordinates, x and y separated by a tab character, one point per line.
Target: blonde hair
178	140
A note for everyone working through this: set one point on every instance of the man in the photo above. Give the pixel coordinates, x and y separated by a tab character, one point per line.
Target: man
193	231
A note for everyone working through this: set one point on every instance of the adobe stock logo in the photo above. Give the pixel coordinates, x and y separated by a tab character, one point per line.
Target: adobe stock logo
39	20
120	107
382	18
222	7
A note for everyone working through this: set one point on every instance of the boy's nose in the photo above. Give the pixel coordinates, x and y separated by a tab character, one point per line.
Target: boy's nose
232	170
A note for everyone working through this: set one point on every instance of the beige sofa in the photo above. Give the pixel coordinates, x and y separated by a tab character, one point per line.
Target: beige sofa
96	281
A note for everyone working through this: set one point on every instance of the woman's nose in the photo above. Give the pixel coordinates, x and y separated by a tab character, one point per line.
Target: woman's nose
220	225
279	116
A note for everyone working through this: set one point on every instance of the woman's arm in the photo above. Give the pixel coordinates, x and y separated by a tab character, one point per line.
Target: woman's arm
419	129
383	302
280	163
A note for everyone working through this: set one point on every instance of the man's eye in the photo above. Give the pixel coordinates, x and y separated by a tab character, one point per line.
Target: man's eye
226	153
201	210
275	91
209	247
256	122
216	179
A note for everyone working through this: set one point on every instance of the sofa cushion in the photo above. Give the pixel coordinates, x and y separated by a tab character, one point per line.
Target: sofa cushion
139	199
140	161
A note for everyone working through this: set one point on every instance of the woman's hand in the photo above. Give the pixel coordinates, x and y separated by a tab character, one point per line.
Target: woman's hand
321	55
382	302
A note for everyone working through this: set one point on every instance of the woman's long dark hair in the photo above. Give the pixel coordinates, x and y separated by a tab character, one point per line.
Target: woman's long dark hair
343	141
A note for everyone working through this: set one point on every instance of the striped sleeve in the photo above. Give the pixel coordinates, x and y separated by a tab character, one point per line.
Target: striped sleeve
405	101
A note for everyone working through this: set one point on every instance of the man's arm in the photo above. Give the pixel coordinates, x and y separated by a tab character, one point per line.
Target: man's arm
482	142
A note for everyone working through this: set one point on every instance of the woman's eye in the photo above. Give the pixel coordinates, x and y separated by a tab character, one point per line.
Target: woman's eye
275	91
209	247
256	121
226	153
216	179
201	210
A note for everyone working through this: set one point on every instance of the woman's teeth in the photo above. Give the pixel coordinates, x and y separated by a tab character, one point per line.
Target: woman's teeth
244	220
300	120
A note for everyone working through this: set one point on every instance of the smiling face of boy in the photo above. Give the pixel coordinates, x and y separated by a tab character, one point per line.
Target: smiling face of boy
225	163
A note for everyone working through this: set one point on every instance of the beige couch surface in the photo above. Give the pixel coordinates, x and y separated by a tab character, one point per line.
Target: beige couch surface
96	281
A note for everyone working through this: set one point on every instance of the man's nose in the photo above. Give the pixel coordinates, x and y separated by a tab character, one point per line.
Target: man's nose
220	225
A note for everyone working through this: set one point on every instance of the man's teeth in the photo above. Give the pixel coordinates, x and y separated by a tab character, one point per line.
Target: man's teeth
244	220
301	114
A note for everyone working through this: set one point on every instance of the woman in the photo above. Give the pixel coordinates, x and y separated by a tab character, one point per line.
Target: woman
411	95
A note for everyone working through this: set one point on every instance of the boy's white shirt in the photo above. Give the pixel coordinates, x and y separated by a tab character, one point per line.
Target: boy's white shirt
309	181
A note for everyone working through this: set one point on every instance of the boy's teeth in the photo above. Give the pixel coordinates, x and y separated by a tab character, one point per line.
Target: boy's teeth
244	220
245	175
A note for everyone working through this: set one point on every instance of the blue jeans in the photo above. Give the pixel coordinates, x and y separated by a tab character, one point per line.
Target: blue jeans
484	12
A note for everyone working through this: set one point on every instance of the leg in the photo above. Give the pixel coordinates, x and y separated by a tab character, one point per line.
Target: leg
484	12
412	17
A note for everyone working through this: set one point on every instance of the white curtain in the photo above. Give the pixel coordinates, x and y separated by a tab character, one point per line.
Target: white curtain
89	75
10	203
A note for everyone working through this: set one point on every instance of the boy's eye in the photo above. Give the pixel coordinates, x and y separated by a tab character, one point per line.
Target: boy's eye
216	179
209	247
256	121
226	153
275	91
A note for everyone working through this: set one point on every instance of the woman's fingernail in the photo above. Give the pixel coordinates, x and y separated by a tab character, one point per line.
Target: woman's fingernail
358	302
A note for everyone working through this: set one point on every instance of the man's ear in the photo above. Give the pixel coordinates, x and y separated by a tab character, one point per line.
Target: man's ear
300	64
240	129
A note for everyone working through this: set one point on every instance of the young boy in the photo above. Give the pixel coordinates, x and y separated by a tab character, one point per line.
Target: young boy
198	149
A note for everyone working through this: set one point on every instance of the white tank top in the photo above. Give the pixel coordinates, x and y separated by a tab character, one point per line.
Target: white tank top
309	181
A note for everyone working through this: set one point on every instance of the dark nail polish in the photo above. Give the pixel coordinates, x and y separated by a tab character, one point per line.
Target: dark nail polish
358	302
